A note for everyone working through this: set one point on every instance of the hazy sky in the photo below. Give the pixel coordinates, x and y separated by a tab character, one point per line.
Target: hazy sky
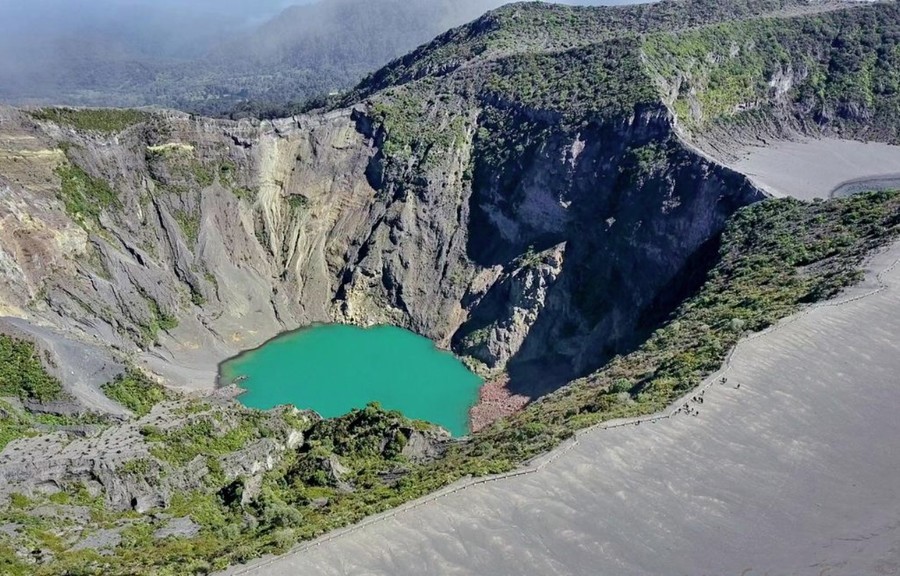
27	25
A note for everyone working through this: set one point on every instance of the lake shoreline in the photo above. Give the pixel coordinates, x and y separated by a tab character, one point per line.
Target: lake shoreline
343	367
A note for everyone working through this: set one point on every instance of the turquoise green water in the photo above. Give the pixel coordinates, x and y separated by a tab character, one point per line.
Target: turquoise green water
333	368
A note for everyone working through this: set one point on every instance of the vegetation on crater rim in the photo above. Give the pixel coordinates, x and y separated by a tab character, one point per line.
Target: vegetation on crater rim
836	70
102	120
775	257
840	67
538	27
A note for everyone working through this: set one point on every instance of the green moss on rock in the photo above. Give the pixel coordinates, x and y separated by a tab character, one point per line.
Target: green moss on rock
84	196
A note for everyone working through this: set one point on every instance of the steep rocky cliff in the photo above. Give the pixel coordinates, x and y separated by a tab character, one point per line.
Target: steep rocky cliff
220	236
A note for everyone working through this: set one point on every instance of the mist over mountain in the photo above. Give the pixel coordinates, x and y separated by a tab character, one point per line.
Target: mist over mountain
209	56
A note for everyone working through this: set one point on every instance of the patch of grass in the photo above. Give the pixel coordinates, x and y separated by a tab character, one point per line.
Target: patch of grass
189	224
159	320
209	435
246	194
62	420
204	508
211	279
298	202
202	175
177	168
197	298
103	120
13	425
163	320
11	564
136	392
22	374
530	259
139	467
227	173
478	337
84	196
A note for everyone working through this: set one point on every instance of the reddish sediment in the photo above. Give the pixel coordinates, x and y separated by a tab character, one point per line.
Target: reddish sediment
495	401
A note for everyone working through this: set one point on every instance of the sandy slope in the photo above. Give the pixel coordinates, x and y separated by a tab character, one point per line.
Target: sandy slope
808	168
794	472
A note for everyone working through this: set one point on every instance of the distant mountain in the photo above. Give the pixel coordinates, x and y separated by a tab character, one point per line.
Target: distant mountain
330	45
210	57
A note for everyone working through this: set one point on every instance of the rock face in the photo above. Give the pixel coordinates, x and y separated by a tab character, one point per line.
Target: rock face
224	234
178	528
603	245
121	463
518	299
101	540
425	445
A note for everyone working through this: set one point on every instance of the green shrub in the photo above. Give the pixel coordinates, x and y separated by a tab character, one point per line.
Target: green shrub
138	467
13	425
159	320
136	392
189	224
298	202
22	374
206	436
